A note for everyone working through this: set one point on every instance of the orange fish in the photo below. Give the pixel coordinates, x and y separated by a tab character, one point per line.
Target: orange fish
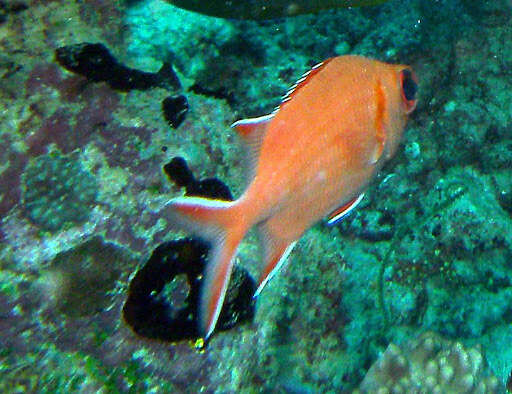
314	156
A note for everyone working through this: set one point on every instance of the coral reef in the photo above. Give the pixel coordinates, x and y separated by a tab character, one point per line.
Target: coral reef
430	364
429	247
11	8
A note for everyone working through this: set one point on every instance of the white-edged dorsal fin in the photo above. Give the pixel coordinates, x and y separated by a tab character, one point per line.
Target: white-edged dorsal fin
306	77
253	131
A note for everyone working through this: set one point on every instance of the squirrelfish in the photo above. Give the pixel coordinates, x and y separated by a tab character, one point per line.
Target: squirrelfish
314	156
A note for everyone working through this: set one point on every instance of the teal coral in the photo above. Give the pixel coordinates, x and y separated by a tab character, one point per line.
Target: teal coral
57	190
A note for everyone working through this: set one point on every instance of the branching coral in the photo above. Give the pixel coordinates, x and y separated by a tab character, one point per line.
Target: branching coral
430	364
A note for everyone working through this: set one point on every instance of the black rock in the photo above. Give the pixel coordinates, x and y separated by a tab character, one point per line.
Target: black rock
178	172
163	297
175	109
96	63
210	188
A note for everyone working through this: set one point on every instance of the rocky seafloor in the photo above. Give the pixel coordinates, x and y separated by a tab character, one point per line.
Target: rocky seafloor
413	291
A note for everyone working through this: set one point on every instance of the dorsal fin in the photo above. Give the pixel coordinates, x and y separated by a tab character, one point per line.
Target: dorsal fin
253	131
306	77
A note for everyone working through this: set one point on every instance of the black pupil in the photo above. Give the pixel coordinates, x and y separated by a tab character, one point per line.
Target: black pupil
408	85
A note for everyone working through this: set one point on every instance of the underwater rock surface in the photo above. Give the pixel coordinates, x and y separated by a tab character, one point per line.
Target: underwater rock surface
76	281
428	249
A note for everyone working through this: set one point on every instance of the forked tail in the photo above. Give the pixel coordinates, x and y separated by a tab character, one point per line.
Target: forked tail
223	224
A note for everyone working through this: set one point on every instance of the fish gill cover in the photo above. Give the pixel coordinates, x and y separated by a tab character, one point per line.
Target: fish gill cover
427	250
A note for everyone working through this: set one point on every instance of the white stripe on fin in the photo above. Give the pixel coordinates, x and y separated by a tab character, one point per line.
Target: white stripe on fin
276	269
340	213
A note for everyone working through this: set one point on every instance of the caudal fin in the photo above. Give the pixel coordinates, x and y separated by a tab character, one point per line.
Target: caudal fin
221	223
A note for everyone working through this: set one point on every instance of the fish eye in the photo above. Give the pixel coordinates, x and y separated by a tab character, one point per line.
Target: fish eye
408	85
409	89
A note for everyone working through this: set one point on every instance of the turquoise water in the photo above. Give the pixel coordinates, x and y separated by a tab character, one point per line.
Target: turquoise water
411	292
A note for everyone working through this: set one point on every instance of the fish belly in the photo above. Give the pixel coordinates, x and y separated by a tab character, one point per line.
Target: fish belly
307	207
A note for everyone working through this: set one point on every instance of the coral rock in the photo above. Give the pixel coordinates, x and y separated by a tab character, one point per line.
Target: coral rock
430	364
57	190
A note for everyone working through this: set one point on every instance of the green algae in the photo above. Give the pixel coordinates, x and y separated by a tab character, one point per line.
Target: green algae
53	370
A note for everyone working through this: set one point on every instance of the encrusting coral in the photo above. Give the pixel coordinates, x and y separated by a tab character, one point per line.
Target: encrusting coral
58	190
430	364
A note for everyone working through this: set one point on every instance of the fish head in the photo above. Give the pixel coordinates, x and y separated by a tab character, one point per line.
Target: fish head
401	91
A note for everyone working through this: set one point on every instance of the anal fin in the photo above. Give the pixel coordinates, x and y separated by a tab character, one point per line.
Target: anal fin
276	253
217	274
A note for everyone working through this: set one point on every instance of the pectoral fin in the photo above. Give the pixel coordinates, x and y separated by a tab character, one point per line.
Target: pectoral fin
340	213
